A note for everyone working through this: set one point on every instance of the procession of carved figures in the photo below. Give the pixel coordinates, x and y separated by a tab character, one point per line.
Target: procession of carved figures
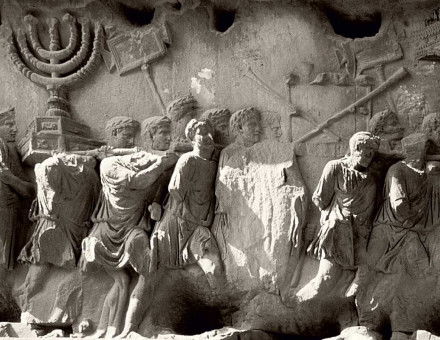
205	190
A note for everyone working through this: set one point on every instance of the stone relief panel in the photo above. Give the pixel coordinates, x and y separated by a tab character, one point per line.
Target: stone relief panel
205	214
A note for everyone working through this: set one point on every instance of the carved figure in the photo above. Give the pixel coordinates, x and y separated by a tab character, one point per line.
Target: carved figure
431	127
183	237
120	132
157	134
219	119
271	126
13	186
411	108
386	125
260	210
67	191
399	240
245	125
345	195
181	111
119	238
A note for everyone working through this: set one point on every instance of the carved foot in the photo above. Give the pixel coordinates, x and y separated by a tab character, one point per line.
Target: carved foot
124	333
111	332
100	333
56	333
308	292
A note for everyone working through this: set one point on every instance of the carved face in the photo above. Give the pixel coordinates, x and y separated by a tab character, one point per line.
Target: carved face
362	155
8	131
203	136
161	140
273	132
222	132
122	137
251	131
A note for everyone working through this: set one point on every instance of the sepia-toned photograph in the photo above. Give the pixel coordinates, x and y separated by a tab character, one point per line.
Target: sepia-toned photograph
220	169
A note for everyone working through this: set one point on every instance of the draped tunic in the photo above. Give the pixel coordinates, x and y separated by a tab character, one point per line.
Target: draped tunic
9	204
119	235
182	235
67	191
407	217
346	198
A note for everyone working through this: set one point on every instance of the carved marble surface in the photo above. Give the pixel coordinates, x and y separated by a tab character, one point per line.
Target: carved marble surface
289	187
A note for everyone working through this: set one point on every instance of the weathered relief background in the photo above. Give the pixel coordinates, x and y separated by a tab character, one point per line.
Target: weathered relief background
300	61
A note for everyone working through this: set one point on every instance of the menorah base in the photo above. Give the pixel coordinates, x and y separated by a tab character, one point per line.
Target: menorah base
46	135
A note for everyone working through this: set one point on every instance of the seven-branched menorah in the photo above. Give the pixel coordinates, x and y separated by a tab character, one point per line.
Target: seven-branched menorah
56	69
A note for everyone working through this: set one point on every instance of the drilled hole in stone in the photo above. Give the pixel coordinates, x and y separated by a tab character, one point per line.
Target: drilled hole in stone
137	16
222	19
353	25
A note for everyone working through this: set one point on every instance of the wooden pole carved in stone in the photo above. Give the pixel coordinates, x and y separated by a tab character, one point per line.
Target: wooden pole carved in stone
394	78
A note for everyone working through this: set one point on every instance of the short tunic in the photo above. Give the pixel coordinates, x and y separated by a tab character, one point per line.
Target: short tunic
346	199
67	191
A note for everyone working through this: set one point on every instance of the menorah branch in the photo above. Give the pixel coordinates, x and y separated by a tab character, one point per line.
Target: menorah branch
61	81
43	53
62	68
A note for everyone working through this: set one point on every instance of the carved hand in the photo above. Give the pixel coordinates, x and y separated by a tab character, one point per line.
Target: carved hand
5	173
155	211
168	160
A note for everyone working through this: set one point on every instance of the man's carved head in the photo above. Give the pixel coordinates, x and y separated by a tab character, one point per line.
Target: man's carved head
181	111
121	131
245	124
8	129
271	125
431	127
363	146
200	133
414	146
157	132
219	119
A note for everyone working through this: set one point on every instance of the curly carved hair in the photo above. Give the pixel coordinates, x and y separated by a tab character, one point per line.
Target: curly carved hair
193	124
152	124
120	122
239	117
7	115
215	116
364	138
181	107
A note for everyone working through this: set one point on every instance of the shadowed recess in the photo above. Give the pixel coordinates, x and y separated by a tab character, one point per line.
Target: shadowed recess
222	19
137	16
353	26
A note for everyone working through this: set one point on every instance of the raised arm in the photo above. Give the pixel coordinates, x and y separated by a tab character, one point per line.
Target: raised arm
148	176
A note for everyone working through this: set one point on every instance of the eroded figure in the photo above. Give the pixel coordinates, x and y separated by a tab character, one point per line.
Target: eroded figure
260	209
119	239
386	125
13	186
345	195
183	236
219	119
67	191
